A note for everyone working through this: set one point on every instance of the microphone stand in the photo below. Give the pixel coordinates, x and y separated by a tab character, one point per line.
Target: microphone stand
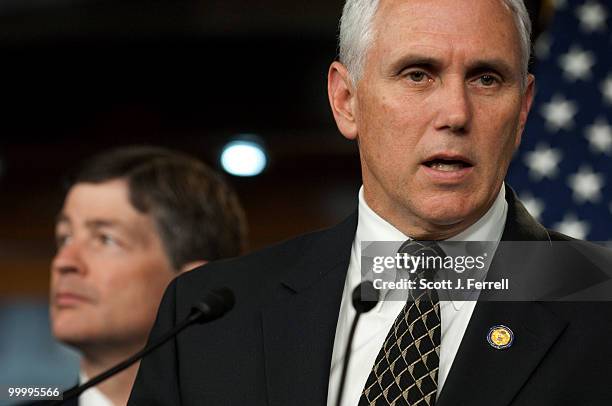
365	298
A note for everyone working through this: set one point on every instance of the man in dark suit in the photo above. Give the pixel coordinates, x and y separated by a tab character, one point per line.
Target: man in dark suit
436	93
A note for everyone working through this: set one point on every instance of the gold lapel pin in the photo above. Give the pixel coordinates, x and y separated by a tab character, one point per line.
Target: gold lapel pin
500	337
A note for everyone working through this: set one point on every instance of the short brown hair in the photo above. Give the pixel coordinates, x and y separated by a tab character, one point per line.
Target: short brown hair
198	216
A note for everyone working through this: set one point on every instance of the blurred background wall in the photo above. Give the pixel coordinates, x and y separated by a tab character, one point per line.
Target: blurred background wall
80	76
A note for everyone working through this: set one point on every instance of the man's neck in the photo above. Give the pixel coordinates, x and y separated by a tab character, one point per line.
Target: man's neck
419	229
487	227
118	387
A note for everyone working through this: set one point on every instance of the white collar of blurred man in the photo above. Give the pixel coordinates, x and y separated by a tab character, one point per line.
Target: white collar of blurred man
107	279
92	396
438	108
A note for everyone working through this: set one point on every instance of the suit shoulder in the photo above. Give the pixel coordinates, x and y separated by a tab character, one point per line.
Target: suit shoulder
269	263
589	249
275	255
557	236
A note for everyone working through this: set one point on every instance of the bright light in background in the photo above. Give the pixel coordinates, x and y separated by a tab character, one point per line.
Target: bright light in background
243	158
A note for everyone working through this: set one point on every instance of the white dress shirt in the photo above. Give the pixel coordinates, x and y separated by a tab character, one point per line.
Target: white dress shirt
92	396
374	325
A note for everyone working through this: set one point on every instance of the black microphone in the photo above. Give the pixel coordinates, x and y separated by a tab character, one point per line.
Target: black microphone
212	306
365	297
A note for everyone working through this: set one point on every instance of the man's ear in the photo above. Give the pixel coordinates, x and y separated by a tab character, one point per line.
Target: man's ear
342	98
191	265
525	108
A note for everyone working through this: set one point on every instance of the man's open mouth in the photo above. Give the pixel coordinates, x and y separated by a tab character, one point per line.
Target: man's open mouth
447	165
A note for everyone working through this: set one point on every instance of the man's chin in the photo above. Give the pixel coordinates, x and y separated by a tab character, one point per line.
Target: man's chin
71	331
446	221
448	210
72	338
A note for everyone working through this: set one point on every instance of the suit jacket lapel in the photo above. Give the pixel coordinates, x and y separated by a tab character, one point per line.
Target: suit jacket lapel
481	374
299	321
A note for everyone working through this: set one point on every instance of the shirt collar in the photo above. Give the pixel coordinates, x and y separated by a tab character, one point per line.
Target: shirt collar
92	396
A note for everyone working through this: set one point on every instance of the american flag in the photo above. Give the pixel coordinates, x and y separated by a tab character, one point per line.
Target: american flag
563	170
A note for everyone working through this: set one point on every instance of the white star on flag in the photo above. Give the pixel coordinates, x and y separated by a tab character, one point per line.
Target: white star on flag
586	185
592	16
577	64
606	89
543	162
599	135
534	206
542	46
573	227
559	113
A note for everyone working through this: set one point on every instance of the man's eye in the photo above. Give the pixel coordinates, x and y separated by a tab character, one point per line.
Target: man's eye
488	80
62	239
106	239
416	76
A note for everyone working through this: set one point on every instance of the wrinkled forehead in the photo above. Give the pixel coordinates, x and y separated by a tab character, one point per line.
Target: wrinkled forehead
483	27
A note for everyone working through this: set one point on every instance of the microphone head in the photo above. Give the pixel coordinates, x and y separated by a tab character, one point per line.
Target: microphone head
365	297
215	304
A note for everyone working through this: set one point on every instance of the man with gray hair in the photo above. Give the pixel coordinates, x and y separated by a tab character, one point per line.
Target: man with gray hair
436	93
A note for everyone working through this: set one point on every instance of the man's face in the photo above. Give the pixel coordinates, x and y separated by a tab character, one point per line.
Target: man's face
109	272
438	111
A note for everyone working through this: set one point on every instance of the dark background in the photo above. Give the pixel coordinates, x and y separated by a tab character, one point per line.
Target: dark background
83	75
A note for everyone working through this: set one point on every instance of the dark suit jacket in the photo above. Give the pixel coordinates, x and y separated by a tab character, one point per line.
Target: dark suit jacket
274	348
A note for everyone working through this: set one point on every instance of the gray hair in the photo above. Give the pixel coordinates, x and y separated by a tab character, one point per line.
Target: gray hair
357	34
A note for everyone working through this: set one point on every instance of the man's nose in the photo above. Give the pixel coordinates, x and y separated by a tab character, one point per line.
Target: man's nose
454	109
68	259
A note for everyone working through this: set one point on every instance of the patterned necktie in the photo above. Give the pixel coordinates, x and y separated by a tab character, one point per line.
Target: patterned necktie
406	369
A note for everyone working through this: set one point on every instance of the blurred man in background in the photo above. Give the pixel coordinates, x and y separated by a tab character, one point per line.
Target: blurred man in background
133	219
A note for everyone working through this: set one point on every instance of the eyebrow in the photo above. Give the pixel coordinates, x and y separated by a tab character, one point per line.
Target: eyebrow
415	60
494	64
101	223
96	223
61	218
130	234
